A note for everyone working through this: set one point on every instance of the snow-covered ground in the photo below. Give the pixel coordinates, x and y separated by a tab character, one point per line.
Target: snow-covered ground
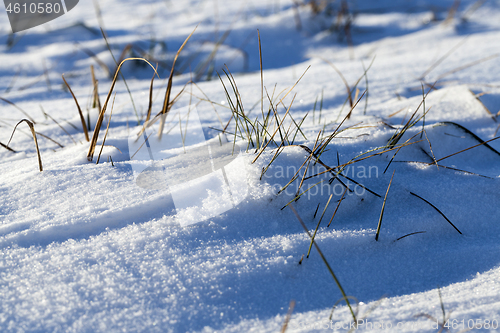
89	247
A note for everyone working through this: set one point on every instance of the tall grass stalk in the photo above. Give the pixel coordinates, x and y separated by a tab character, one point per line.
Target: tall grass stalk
97	128
338	205
17	107
288	316
437	211
337	282
383	208
82	119
317	226
33	133
107	129
166	102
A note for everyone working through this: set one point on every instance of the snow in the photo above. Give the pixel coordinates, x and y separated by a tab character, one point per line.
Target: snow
203	242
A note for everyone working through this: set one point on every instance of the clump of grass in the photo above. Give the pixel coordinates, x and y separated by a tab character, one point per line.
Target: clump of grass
33	133
242	123
100	119
258	133
118	65
167	104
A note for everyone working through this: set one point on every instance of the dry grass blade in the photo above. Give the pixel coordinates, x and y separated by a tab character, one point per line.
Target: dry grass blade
437	211
338	205
345	297
316	211
7	147
472	9
447	167
360	185
440	60
13	81
101	63
279	150
295	176
461	151
104	36
451	12
32	128
366	84
288	316
309	158
317	227
411	122
96	102
166	102
272	137
300	195
237	112
17	107
397	151
410	234
383	208
97	128
469	132
107	129
55	121
239	104
46	74
482	104
79	110
158	115
261	78
150	105
49	138
210	59
470	64
348	89
123	55
322	148
297	82
353	161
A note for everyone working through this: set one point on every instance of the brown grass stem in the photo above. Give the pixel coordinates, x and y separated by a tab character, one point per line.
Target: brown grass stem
437	211
84	126
32	129
383	208
337	282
